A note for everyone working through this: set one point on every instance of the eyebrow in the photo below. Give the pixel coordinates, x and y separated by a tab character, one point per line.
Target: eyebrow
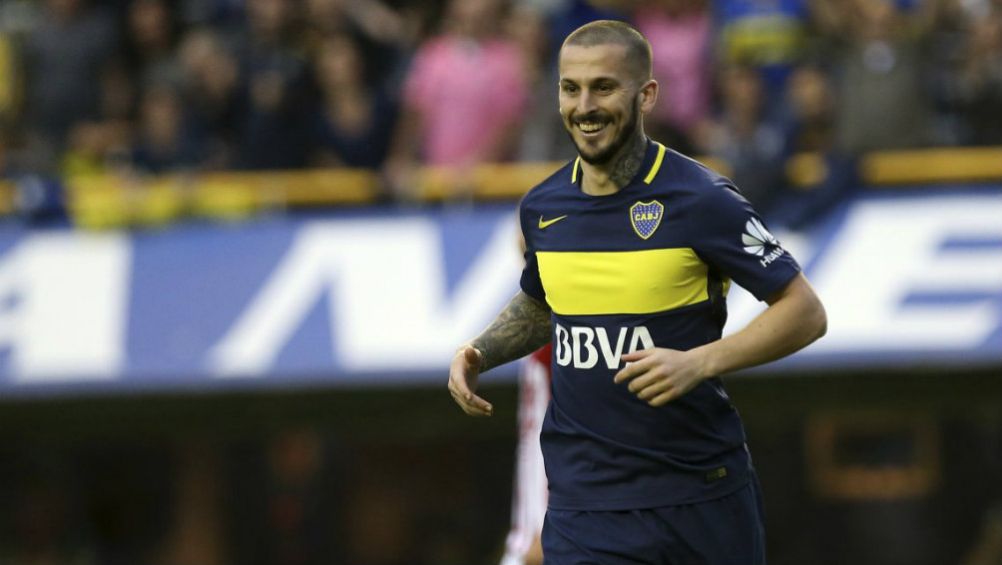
595	80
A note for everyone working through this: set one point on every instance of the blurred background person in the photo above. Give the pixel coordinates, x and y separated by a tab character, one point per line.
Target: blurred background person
542	137
745	135
354	120
213	95
383	36
879	53
979	76
62	54
770	36
464	97
817	176
99	143
681	36
274	132
150	42
165	142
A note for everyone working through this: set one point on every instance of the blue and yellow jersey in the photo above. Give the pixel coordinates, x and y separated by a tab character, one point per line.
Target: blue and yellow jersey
648	266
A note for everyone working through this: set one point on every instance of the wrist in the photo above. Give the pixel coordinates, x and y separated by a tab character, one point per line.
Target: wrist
706	361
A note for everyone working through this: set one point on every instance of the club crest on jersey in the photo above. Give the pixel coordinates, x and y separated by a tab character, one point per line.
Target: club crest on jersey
646	217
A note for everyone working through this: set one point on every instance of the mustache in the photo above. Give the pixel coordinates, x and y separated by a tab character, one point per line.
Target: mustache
593	116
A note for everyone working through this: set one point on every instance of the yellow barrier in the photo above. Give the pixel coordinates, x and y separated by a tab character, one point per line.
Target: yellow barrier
116	201
7	195
926	166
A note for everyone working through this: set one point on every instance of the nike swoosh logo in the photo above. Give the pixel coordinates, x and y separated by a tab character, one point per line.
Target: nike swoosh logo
543	224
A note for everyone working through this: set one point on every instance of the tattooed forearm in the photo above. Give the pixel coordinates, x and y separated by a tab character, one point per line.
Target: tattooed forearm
628	162
521	328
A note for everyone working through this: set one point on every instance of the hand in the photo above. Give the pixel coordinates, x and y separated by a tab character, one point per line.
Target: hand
658	376
463	374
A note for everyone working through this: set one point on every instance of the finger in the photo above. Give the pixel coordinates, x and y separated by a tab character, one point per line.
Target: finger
653	389
632	370
636	355
472	405
663	398
481	406
644	380
458	386
466	399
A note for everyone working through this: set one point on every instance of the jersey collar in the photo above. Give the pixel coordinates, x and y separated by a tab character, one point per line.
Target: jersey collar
652	163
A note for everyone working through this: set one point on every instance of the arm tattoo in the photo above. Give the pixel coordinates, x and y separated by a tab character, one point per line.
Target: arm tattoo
521	328
628	162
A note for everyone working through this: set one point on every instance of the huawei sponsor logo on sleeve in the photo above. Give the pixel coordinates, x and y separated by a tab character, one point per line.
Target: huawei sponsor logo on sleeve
758	241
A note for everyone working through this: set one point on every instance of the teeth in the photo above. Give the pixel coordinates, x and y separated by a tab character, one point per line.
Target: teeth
590	128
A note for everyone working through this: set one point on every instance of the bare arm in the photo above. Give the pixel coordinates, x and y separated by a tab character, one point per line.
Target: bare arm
795	318
521	328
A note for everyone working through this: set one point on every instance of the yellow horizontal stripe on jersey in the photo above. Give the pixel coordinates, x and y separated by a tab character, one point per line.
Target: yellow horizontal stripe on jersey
580	283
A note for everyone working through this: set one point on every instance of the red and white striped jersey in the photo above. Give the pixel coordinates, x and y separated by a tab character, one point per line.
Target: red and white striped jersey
529	495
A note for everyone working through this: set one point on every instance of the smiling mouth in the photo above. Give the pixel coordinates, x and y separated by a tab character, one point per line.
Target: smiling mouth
591	129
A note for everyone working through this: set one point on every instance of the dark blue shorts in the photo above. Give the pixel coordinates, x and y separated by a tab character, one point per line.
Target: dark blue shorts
723	531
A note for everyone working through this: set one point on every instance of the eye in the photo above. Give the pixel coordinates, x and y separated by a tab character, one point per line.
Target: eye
569	88
604	88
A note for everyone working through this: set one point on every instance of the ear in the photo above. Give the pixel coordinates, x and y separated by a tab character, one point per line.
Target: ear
648	96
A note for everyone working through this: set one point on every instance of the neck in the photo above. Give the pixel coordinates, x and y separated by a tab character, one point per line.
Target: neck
611	177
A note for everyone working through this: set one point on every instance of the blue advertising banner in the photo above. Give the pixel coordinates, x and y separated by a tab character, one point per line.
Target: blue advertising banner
372	298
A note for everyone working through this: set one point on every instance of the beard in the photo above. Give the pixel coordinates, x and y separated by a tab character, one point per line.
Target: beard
603	156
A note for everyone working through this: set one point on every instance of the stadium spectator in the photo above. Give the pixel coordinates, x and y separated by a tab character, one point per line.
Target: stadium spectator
354	121
213	96
543	137
101	140
62	54
464	96
274	130
680	32
979	79
566	16
164	141
382	33
745	136
150	42
768	35
810	111
879	57
820	176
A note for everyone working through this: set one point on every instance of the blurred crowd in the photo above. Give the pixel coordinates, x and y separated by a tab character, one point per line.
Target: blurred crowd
154	86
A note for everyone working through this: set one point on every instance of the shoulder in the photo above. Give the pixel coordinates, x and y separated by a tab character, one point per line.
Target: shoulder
549	186
698	183
541	198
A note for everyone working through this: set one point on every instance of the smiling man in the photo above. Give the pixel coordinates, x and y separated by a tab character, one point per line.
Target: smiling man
630	250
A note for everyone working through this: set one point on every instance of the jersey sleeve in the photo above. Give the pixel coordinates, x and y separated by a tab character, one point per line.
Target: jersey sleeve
732	239
530	281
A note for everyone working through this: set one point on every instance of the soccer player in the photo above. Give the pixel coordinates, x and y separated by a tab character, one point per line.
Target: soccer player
522	545
630	250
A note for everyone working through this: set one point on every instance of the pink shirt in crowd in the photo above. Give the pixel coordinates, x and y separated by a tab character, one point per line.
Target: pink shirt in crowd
681	65
467	94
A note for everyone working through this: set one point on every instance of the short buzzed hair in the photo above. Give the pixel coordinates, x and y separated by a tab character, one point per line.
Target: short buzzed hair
603	32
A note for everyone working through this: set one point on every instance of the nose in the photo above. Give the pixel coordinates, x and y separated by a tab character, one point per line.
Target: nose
586	102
